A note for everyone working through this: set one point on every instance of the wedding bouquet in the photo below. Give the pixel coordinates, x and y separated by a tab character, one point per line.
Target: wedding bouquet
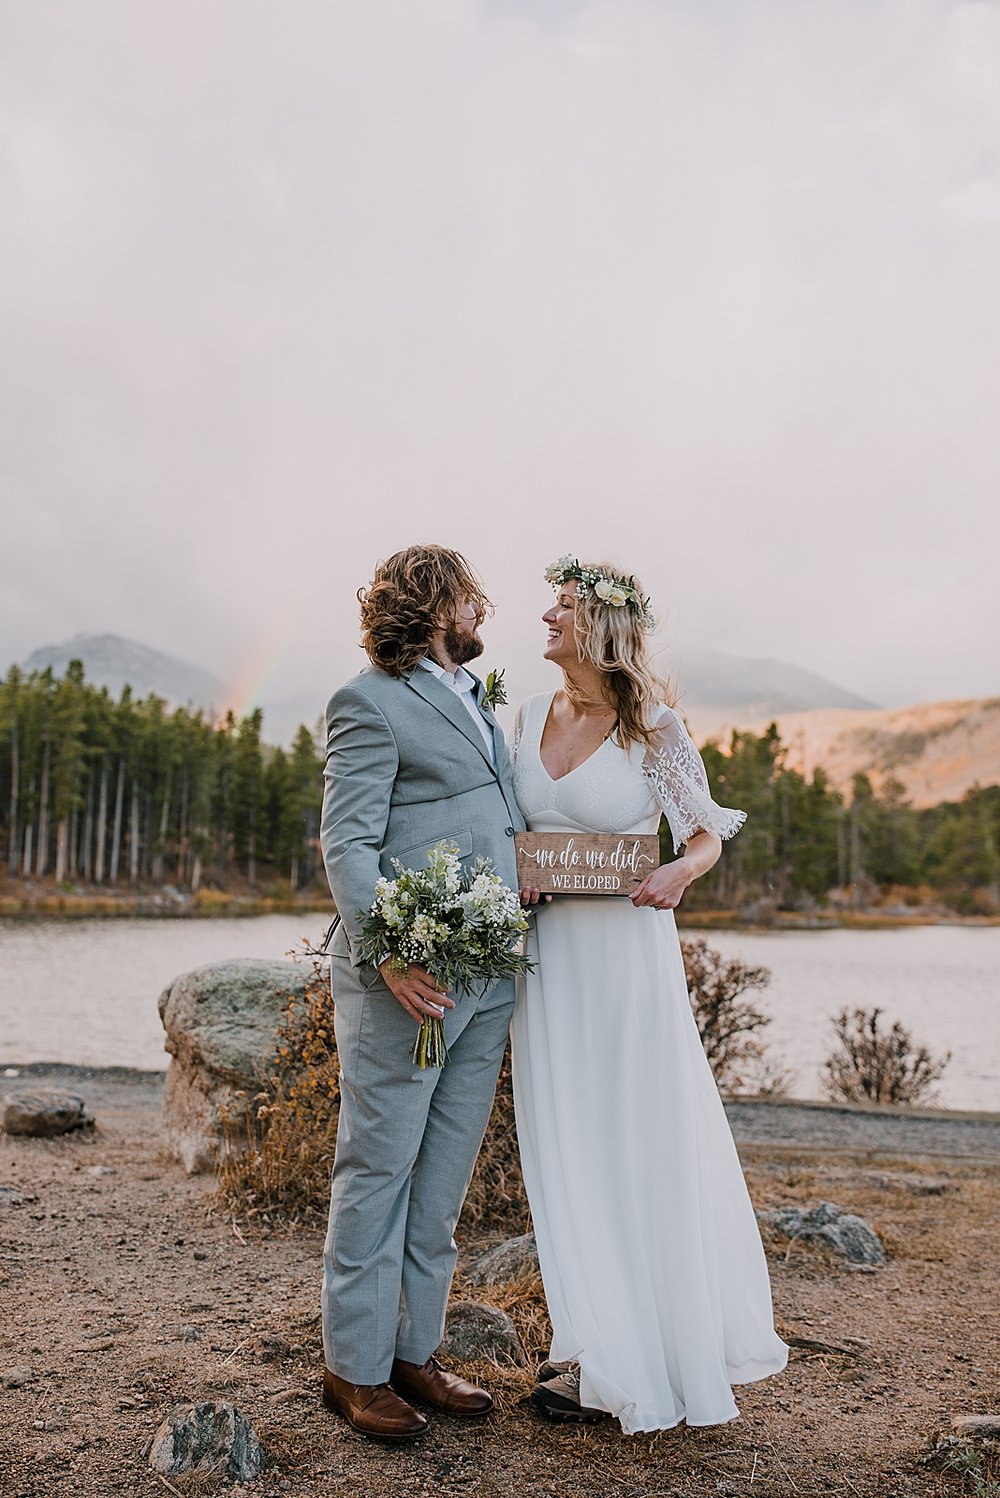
463	927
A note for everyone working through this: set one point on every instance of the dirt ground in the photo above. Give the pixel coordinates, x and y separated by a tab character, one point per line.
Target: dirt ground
124	1293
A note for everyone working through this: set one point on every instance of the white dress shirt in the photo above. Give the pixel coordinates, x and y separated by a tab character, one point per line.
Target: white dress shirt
464	687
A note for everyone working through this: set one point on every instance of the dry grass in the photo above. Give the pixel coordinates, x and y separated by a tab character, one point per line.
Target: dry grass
280	1148
131	1257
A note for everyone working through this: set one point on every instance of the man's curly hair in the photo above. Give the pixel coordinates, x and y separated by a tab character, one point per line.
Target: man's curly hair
409	597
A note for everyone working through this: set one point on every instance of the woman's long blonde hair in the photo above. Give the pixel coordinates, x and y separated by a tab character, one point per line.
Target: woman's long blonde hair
615	640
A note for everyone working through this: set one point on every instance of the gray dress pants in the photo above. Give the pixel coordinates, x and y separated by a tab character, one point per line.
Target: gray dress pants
407	1143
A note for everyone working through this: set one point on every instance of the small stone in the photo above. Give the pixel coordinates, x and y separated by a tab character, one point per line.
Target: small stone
513	1259
474	1330
44	1114
10	1196
265	1348
191	1333
16	1378
211	1437
200	1255
850	1236
101	1170
984	1426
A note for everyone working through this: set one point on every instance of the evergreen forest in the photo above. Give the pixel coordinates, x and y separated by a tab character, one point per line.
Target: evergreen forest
131	793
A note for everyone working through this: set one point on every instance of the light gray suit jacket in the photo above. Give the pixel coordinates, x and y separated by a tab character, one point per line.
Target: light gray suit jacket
406	768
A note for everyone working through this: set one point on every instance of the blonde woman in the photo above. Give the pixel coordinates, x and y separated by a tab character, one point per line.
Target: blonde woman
654	1273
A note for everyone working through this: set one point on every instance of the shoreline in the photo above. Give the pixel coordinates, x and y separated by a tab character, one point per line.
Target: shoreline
895	1115
172	904
165	906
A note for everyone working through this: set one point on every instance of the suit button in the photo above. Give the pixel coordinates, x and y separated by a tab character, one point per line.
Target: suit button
510	832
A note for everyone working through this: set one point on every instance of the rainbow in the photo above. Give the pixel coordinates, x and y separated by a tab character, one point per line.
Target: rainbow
259	668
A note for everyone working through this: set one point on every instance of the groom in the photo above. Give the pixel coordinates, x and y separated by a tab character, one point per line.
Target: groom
414	757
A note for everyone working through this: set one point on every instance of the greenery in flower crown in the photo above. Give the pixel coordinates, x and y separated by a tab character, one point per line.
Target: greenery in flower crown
610	587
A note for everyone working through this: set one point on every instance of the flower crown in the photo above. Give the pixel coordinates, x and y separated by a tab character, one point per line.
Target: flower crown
610	587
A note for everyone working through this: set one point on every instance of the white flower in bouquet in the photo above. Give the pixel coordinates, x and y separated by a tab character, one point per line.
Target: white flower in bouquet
464	928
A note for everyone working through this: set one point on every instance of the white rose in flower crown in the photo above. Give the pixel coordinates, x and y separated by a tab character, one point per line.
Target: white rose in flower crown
604	590
618	597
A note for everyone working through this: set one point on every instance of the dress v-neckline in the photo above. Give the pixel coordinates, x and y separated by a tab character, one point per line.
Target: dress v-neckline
558	779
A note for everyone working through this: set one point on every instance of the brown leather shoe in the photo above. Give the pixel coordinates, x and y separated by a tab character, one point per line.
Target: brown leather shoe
435	1386
373	1409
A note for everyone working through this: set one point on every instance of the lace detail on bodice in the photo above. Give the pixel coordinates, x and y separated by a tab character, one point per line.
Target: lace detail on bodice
676	773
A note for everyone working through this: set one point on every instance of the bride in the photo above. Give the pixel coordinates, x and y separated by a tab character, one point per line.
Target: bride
654	1273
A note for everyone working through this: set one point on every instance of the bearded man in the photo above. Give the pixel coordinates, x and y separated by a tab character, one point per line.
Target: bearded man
414	757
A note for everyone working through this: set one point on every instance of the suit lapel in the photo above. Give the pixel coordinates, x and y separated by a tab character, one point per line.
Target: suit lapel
486	712
434	691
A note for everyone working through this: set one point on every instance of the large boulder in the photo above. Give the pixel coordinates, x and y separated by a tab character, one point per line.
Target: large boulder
220	1023
44	1113
211	1438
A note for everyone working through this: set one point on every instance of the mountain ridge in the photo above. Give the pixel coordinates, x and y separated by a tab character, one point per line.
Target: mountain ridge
936	750
113	661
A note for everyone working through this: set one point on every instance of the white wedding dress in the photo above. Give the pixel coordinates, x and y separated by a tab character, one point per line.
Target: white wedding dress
653	1267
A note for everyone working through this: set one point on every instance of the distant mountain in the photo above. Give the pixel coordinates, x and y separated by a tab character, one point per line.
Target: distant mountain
715	689
936	749
111	661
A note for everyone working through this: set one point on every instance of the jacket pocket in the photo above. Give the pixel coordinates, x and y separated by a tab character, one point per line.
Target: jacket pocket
415	856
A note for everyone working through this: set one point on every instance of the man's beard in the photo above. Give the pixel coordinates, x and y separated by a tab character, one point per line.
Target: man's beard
462	645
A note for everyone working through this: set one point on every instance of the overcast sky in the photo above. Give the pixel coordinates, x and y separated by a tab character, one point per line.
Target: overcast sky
710	289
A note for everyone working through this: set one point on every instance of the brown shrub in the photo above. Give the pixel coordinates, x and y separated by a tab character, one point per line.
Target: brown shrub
876	1065
729	1027
279	1161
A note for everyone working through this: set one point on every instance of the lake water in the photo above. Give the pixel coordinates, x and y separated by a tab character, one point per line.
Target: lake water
85	991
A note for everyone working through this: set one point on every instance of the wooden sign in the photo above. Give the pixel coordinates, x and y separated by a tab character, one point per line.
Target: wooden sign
584	863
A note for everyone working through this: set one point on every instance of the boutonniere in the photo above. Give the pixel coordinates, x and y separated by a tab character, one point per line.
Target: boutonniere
495	694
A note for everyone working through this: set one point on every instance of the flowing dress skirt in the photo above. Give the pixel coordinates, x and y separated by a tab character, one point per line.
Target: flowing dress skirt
652	1262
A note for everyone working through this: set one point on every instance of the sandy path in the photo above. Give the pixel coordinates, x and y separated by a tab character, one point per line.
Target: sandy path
123	1293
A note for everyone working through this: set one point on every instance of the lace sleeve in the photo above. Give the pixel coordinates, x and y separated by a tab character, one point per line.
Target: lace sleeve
675	771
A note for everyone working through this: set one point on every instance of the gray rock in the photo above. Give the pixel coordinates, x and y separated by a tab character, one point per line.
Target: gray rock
212	1437
44	1113
850	1236
10	1197
986	1427
16	1378
220	1023
511	1260
190	1333
474	1330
